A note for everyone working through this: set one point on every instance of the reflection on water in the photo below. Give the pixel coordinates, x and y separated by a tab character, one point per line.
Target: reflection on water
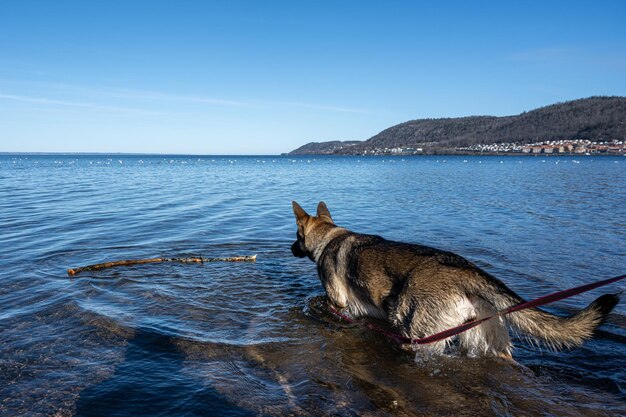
255	339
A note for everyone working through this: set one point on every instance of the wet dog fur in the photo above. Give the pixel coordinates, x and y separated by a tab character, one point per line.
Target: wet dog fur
421	291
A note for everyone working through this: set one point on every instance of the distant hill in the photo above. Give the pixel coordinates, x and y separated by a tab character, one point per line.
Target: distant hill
594	118
324	148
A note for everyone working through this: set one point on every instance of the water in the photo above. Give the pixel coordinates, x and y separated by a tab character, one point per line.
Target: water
254	339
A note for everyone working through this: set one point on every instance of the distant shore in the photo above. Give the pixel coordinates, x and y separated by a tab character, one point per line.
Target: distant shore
594	125
557	155
287	155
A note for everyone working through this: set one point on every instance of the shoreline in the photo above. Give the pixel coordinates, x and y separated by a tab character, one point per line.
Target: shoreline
467	154
288	155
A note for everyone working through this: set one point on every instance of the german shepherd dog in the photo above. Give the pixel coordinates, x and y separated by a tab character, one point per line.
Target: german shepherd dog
421	291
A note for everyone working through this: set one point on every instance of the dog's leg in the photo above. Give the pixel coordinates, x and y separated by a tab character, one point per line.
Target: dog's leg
335	290
491	337
415	315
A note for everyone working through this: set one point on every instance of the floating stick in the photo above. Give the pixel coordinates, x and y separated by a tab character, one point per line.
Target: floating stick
127	262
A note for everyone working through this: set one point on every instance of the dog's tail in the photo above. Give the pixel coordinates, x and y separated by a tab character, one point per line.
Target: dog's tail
554	331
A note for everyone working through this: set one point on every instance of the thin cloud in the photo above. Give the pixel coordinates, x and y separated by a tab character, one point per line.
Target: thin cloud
157	96
318	107
603	56
55	102
142	94
547	55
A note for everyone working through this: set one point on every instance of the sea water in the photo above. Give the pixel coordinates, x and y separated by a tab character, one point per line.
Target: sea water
254	338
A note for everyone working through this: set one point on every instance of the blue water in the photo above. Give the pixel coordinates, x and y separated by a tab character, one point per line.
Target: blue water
253	339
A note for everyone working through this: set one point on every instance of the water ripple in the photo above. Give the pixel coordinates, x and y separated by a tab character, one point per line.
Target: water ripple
255	339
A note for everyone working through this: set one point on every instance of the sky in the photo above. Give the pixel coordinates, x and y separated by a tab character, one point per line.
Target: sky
265	77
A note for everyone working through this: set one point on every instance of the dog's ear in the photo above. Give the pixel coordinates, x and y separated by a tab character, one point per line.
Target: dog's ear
322	210
299	212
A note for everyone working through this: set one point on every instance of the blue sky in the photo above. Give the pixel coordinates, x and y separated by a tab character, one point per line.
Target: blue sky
265	77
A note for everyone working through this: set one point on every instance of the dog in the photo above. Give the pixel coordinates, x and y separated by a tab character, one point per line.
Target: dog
421	291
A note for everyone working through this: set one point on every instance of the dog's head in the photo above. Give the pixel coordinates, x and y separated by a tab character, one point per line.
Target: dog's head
311	229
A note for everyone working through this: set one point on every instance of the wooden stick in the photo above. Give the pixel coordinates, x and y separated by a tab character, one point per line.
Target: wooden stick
127	262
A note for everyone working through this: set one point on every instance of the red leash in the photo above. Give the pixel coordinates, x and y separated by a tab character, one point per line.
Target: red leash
546	299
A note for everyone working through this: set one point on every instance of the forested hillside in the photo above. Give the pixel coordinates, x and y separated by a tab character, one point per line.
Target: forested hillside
594	119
